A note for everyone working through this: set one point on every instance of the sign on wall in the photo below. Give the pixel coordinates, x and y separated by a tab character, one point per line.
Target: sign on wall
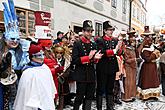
42	25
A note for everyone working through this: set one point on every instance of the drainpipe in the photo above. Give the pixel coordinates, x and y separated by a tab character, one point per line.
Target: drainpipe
130	13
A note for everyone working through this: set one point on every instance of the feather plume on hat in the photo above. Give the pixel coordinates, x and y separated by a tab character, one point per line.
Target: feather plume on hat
11	22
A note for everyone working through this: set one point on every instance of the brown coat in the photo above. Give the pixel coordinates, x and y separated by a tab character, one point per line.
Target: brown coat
130	69
148	85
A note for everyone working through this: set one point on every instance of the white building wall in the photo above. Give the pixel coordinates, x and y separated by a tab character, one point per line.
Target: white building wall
141	22
71	12
18	3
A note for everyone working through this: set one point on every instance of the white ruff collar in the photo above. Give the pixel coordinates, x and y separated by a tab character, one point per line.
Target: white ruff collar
151	48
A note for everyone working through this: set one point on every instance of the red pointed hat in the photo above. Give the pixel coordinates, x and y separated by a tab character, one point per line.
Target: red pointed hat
34	49
45	42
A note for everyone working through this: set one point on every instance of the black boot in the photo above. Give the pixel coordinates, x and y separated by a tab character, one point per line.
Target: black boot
67	100
110	104
61	102
76	106
87	104
117	101
117	92
78	101
99	102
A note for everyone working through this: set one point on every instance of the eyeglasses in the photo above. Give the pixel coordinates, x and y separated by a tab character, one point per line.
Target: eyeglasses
15	39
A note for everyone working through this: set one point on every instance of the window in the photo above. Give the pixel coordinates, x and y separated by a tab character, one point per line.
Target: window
124	6
77	29
1	16
36	1
48	3
141	17
31	22
98	29
144	19
26	20
100	0
2	28
114	3
133	11
138	13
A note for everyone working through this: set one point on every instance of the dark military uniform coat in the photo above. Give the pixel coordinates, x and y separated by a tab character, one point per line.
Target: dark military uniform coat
108	64
83	69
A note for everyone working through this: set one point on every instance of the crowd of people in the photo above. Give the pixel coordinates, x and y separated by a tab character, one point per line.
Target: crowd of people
47	74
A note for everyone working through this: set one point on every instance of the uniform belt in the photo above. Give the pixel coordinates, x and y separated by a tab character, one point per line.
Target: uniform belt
111	58
90	64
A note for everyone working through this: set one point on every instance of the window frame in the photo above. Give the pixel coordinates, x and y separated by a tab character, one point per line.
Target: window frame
27	21
138	14
114	3
98	29
124	6
134	11
100	1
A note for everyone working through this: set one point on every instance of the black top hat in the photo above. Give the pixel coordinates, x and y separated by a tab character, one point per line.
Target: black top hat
107	25
147	31
87	25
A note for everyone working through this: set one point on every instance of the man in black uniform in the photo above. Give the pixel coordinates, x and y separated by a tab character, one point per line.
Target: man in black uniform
84	56
107	66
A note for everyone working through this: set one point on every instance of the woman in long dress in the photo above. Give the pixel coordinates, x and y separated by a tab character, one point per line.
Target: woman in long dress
130	69
148	85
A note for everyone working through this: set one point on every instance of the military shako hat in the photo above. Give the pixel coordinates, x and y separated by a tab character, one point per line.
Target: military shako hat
107	25
87	25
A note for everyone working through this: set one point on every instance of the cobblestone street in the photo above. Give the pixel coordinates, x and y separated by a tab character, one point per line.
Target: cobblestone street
137	105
